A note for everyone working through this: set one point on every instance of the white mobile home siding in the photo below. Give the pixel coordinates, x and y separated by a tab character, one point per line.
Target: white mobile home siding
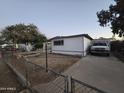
87	43
72	46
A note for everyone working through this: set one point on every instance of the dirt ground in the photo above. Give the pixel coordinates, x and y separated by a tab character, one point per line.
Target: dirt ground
35	75
56	62
7	78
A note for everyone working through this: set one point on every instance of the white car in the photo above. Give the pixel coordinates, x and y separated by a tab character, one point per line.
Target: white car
100	47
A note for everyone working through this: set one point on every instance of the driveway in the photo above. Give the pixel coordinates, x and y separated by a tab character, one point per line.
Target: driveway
105	73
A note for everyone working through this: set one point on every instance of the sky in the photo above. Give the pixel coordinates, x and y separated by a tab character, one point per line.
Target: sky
56	17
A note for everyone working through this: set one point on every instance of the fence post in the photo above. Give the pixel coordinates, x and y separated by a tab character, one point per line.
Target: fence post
72	85
66	85
26	73
46	57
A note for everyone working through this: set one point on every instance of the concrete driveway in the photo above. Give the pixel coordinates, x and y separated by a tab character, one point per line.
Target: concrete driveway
105	73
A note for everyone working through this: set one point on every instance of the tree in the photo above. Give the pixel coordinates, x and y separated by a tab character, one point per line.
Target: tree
2	41
9	34
38	41
21	33
113	17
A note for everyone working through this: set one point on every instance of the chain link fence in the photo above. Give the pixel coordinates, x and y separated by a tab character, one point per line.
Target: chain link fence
39	79
36	77
81	87
46	80
7	57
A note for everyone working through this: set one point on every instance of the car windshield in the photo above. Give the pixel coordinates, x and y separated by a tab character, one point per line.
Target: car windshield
99	44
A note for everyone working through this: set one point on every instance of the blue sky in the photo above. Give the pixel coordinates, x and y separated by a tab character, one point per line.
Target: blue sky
56	17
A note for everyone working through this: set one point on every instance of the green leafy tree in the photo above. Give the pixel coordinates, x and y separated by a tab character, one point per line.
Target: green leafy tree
38	41
113	17
2	41
9	34
21	33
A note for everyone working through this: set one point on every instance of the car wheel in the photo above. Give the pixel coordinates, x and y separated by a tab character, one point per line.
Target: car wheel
108	54
91	53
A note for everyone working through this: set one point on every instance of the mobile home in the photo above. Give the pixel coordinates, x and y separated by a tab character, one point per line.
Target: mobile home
71	45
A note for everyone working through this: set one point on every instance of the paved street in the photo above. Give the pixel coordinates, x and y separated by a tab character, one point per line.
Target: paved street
106	73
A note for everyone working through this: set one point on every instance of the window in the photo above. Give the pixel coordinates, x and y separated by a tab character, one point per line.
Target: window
99	44
58	42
